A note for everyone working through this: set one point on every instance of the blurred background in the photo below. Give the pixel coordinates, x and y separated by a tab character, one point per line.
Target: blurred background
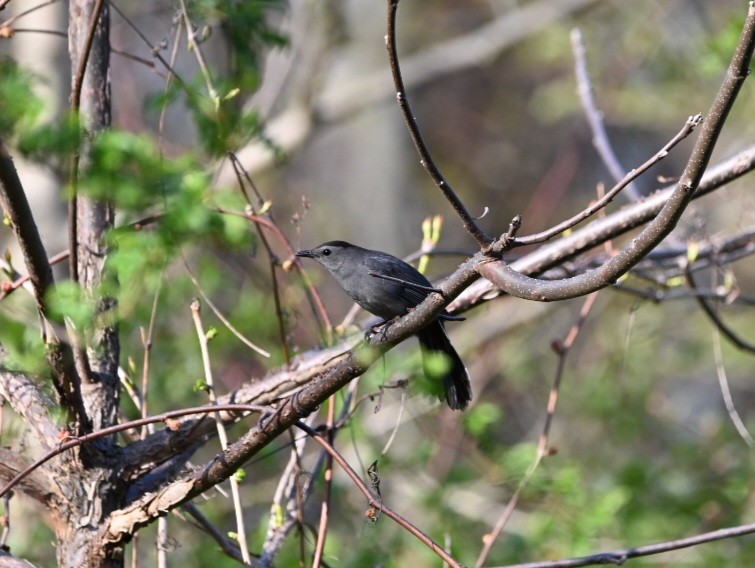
644	449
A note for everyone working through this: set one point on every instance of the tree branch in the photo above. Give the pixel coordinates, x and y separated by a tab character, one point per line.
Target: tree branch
32	404
623	183
594	117
619	557
411	122
59	355
37	484
519	285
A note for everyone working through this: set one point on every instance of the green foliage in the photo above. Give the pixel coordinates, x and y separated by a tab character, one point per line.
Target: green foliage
19	105
246	28
130	172
716	57
20	112
67	301
481	418
223	121
24	345
51	144
223	125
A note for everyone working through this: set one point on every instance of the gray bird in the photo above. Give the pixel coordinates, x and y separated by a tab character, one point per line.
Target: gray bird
354	268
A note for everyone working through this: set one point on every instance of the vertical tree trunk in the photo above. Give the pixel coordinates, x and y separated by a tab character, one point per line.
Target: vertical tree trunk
90	479
95	217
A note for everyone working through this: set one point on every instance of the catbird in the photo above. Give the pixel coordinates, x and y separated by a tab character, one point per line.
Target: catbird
354	268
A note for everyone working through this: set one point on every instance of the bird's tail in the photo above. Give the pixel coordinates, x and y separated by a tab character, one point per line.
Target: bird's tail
458	390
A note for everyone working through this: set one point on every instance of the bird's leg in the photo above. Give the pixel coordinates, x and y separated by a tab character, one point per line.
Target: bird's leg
374	327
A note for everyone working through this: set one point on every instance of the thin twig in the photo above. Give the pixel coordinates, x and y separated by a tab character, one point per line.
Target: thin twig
411	122
168	417
595	118
10	287
219	314
147	340
222	435
709	311
273	261
56	33
723	382
685	131
194	46
228	546
322	530
619	557
543	450
166	89
375	501
10	21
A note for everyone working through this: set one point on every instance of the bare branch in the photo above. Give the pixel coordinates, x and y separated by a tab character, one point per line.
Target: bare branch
30	402
686	130
723	382
595	117
619	557
713	316
425	158
601	230
562	349
222	434
522	286
16	206
37	484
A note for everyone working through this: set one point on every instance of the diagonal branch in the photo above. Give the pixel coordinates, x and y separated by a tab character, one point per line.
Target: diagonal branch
426	159
318	387
619	557
17	209
37	484
278	384
623	183
595	117
522	286
32	404
599	231
712	314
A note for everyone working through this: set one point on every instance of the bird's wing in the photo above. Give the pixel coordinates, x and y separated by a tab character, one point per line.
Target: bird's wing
396	268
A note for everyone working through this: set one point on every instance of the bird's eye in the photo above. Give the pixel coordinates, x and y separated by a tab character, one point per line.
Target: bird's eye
326	252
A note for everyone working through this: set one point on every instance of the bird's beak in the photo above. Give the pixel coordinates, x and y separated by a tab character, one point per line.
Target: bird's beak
306	254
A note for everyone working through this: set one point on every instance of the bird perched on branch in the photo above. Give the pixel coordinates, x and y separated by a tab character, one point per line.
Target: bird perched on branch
388	287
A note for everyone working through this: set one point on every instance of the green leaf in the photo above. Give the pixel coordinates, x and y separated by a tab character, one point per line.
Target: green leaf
26	351
482	417
19	105
67	300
